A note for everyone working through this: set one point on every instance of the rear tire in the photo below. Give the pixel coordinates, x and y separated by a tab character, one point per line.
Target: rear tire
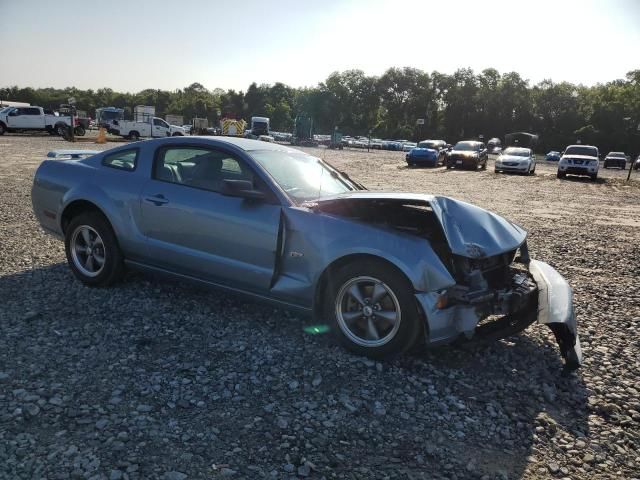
484	165
79	131
594	177
372	310
2	129
92	250
561	175
134	136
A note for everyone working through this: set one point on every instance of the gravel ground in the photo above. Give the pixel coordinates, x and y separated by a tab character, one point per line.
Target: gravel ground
153	379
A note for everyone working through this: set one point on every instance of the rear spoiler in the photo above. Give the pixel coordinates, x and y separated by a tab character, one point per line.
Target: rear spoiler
71	154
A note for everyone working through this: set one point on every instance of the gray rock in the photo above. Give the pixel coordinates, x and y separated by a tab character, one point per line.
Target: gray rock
304	470
31	409
102	423
174	475
116	475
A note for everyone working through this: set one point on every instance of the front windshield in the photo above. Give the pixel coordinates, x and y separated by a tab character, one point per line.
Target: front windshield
588	151
433	145
302	176
517	152
617	155
466	146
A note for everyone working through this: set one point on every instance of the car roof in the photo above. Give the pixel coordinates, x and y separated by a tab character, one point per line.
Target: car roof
245	144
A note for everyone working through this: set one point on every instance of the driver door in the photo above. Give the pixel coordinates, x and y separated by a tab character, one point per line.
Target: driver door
192	228
19	119
160	128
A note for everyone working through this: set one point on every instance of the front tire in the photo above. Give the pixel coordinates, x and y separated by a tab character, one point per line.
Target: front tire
594	177
561	175
2	129
79	131
372	309
92	250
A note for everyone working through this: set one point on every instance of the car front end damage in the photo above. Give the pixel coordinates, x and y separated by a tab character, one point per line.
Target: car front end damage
494	289
501	296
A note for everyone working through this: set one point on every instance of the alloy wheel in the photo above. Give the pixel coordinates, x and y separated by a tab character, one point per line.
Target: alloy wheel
87	251
368	312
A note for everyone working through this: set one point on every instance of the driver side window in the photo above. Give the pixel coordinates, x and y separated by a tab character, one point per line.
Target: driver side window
201	168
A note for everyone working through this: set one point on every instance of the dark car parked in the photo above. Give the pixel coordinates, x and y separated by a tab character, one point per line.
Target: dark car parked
428	152
468	154
553	156
615	160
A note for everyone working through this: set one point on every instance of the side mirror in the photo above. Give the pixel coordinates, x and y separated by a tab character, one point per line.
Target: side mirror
242	189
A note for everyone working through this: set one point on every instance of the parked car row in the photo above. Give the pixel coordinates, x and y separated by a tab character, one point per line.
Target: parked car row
465	154
574	160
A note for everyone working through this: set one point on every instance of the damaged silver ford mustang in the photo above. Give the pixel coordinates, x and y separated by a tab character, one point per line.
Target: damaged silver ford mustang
387	270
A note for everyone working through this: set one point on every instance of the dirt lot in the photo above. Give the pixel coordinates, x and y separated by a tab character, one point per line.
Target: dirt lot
159	380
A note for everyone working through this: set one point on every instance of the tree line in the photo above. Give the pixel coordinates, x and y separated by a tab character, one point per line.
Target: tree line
462	105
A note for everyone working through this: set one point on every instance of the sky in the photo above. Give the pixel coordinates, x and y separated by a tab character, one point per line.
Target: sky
168	44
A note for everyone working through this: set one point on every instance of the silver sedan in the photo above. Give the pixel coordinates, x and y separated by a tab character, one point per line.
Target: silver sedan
516	159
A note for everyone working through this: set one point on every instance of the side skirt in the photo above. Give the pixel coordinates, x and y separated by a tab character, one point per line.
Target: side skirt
218	286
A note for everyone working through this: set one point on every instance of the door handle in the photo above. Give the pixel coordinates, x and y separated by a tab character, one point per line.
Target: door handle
157	200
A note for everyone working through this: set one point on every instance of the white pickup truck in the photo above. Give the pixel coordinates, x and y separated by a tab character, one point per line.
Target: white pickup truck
156	127
18	119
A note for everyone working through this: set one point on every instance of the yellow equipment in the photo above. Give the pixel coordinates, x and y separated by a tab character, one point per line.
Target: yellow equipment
233	128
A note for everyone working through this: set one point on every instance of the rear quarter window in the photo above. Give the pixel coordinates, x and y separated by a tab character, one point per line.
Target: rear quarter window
124	160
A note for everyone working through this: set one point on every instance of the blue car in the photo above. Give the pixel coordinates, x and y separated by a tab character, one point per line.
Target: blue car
428	152
553	156
385	270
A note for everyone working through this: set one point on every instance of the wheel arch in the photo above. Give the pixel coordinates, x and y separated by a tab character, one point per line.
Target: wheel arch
324	279
77	207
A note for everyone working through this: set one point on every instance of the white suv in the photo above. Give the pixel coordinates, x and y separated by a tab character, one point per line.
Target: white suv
579	160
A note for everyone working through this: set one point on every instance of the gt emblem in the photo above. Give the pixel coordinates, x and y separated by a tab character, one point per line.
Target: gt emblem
296	254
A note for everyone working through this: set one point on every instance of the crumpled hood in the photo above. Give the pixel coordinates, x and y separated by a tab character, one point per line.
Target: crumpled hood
470	231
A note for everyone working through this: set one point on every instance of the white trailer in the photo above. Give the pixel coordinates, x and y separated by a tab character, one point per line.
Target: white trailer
143	113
